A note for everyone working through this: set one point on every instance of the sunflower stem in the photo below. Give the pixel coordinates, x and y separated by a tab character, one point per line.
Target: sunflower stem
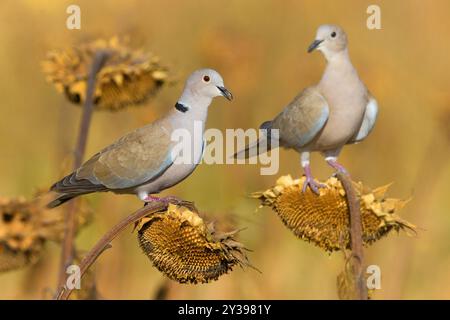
357	254
68	247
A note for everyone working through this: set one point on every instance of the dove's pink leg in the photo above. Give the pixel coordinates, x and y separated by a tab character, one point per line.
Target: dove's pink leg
337	166
309	181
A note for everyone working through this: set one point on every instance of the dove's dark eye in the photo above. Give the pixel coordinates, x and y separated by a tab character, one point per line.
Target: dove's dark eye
333	34
206	78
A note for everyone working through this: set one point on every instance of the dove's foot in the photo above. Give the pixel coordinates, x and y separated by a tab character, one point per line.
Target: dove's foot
166	200
310	182
337	166
313	185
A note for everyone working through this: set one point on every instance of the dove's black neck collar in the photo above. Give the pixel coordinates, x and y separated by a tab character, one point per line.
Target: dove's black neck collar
181	107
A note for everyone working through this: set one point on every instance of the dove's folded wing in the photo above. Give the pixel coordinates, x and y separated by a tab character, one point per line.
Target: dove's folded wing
302	119
135	159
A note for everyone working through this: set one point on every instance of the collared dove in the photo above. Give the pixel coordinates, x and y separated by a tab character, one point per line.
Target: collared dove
143	162
339	110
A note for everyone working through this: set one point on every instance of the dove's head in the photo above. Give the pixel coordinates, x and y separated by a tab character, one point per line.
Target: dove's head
206	84
330	39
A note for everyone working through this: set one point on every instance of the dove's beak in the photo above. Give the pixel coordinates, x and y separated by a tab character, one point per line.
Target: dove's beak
314	45
224	91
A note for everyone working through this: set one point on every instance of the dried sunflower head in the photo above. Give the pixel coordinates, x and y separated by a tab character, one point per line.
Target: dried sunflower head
185	248
324	219
25	226
128	77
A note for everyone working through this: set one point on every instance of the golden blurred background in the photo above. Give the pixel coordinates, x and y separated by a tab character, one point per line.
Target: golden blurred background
259	46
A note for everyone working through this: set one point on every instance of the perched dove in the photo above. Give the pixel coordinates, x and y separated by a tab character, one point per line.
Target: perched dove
143	162
339	110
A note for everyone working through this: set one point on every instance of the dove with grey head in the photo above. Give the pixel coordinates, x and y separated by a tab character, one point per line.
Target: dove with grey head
337	111
143	162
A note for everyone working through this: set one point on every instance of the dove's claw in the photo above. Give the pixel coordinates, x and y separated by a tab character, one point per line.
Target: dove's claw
309	181
173	200
166	200
313	185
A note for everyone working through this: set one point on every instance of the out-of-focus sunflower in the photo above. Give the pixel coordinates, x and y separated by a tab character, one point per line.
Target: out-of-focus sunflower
128	77
25	226
324	219
186	248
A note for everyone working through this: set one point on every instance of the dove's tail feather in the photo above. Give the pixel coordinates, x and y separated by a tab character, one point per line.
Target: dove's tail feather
250	151
70	187
267	125
262	145
62	198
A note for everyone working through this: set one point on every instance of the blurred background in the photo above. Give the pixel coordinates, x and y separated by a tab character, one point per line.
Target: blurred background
259	46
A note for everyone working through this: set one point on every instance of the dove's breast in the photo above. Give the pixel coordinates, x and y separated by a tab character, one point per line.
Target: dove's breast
347	100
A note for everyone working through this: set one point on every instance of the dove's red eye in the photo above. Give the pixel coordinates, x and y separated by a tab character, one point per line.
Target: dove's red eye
206	78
